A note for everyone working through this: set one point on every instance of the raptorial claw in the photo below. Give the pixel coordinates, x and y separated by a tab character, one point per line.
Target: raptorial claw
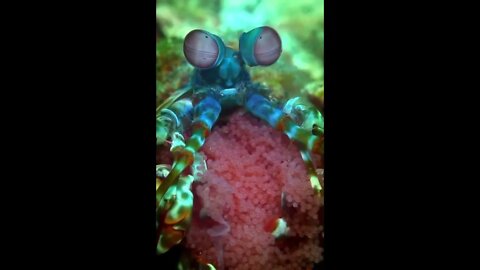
305	116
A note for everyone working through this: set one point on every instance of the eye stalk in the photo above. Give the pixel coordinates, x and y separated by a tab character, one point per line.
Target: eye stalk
203	50
261	46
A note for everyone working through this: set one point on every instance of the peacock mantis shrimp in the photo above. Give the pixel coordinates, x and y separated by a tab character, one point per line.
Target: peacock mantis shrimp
220	81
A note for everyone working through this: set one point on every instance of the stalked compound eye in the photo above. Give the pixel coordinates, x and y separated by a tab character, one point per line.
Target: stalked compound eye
261	46
202	49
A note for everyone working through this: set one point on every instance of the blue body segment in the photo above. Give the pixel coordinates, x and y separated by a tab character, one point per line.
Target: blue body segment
259	106
207	111
230	67
230	72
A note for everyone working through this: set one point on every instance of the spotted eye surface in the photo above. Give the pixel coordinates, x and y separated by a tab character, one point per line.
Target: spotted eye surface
268	47
261	46
202	49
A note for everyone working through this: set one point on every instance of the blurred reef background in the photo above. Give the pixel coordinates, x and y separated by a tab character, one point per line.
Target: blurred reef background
299	71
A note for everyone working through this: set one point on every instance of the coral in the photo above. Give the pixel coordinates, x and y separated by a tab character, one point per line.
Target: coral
172	71
256	179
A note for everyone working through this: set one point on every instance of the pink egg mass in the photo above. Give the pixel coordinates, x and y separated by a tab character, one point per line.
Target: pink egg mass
254	206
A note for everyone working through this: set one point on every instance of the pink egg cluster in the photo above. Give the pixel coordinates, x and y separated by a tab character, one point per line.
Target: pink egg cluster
255	177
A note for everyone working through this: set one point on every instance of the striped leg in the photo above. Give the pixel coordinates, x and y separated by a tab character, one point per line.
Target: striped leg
262	108
312	174
206	113
171	210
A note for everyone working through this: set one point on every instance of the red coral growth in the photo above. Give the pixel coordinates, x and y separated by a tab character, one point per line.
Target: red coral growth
238	199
